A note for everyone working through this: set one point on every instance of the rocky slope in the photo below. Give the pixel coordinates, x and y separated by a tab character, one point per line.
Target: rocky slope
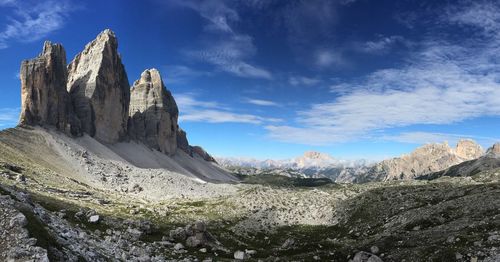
424	160
489	161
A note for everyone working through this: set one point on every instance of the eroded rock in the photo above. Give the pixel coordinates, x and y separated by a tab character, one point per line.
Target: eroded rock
99	88
44	99
153	113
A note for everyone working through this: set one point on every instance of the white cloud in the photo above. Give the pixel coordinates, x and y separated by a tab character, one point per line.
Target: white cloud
303	81
31	21
430	137
227	50
442	84
194	110
9	116
181	73
382	44
260	102
216	12
328	58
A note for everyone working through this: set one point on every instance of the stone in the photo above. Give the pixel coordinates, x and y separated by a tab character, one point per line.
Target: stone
239	255
193	241
290	242
179	246
199	226
366	257
44	99
203	250
94	219
18	220
178	234
374	249
99	89
153	113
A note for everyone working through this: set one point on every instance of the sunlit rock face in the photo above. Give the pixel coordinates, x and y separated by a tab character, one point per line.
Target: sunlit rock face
153	113
44	99
99	88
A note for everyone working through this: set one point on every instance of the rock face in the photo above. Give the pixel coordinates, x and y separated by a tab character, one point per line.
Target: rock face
494	150
92	95
424	160
44	99
99	88
182	142
153	113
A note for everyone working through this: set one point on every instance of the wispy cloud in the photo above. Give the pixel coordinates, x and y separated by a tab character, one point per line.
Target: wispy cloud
33	20
260	102
9	116
225	48
303	81
325	58
382	44
195	110
181	73
444	83
431	137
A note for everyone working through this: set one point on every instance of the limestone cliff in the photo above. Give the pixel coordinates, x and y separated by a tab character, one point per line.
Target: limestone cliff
424	160
99	89
44	99
153	113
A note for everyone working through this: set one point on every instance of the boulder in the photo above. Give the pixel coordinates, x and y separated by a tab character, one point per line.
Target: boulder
44	99
153	113
99	88
366	257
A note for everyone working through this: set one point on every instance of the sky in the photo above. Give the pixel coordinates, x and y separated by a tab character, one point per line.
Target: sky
274	78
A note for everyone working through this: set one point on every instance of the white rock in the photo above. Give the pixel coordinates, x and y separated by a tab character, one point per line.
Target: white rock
94	219
239	255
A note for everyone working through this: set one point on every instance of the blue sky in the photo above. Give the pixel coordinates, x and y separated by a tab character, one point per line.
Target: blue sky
274	78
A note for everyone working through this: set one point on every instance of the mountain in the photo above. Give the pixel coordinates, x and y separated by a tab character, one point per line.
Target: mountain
90	101
426	159
488	162
310	164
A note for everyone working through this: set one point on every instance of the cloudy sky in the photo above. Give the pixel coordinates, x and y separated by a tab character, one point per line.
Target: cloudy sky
273	78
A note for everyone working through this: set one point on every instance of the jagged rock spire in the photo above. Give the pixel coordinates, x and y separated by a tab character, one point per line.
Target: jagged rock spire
153	113
99	88
44	99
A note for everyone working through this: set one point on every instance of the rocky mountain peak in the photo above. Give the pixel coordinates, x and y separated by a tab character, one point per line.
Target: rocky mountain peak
316	155
153	113
468	149
44	99
92	95
100	90
424	160
494	150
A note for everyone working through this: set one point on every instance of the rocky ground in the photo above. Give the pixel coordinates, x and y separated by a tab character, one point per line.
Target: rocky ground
449	219
63	200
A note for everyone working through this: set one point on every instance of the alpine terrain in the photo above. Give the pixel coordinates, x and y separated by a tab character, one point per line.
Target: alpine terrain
100	170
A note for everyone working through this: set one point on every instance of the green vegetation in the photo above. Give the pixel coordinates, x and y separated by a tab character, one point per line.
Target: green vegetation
283	181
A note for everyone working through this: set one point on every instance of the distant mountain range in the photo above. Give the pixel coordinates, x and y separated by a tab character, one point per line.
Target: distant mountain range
424	160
